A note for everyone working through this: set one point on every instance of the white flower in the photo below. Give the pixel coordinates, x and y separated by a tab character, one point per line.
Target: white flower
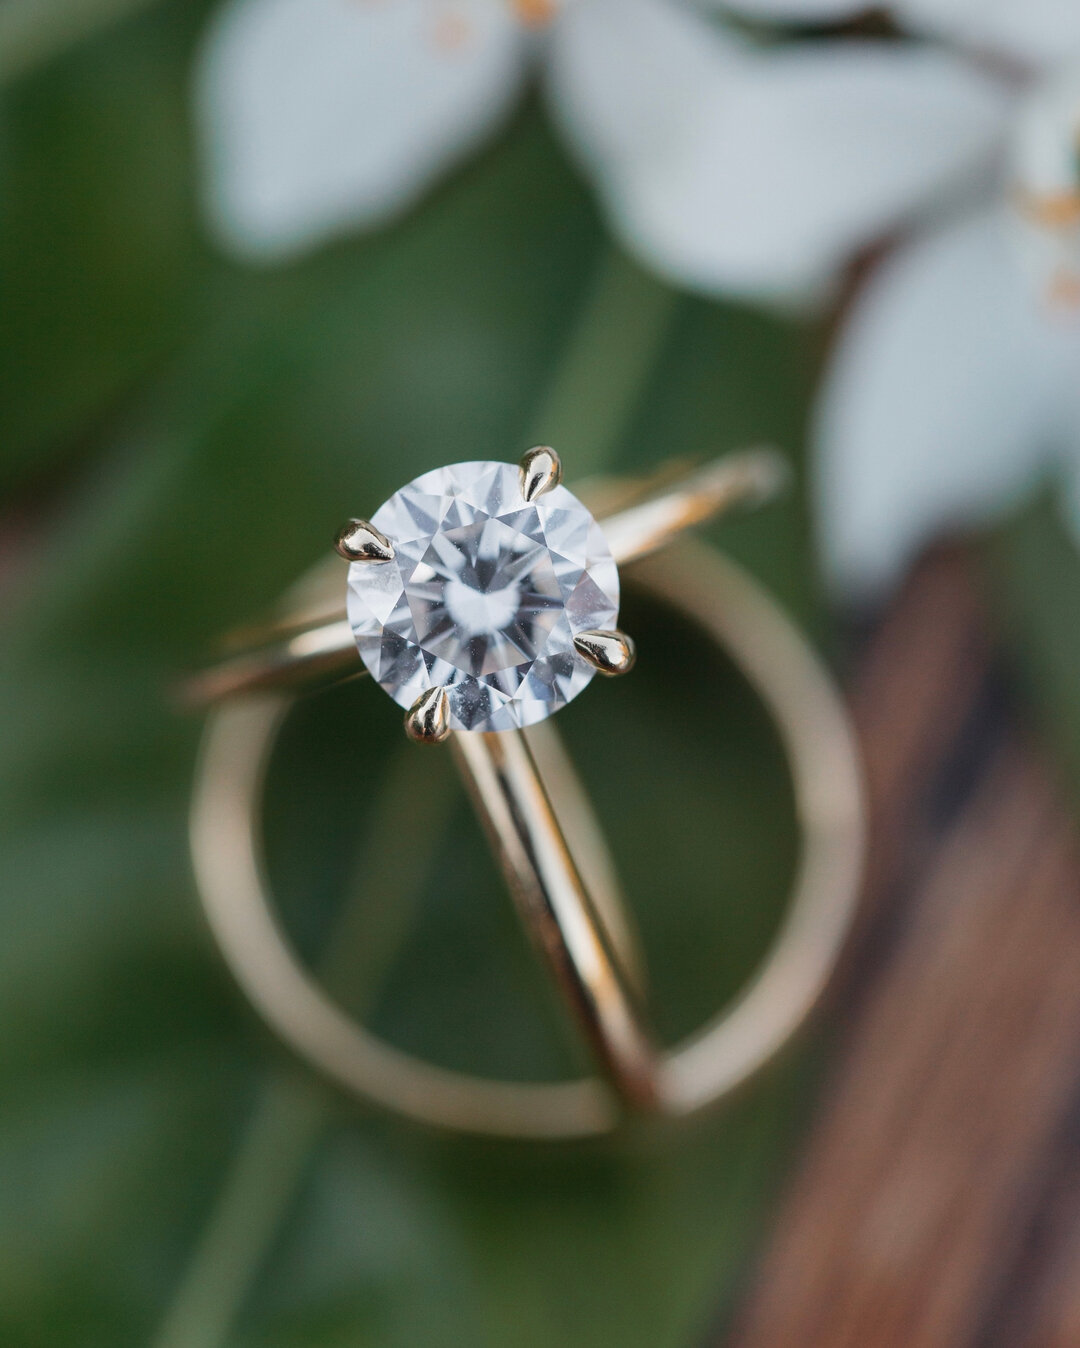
733	169
726	168
954	384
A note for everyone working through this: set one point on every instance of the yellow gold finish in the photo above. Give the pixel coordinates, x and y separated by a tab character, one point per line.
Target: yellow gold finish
227	854
584	839
297	661
746	479
360	541
559	914
556	862
609	652
540	470
428	719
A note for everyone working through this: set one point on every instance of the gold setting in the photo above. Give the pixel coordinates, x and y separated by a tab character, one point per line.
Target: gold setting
428	719
360	541
611	653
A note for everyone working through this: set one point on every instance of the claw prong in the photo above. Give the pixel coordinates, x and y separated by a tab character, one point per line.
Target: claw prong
428	719
360	541
611	652
540	470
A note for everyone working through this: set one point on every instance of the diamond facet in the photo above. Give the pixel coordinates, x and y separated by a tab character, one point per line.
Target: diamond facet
484	596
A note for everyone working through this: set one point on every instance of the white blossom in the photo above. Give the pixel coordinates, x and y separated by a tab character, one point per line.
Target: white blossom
733	167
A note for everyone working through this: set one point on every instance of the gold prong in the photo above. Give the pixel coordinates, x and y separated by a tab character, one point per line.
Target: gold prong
609	652
360	541
540	470
428	719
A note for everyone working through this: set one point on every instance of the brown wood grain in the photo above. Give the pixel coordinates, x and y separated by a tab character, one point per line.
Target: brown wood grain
937	1201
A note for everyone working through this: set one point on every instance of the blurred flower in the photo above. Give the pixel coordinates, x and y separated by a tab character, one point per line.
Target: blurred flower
732	168
954	384
727	168
955	380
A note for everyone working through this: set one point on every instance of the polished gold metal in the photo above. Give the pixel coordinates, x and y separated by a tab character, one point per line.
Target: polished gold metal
304	660
428	719
736	481
360	541
584	840
559	870
540	470
609	652
560	915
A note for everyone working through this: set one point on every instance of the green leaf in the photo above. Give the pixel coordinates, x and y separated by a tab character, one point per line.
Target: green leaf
34	32
1034	570
168	1172
99	263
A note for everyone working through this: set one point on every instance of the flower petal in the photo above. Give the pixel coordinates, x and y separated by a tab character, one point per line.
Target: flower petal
731	169
949	389
1034	31
322	115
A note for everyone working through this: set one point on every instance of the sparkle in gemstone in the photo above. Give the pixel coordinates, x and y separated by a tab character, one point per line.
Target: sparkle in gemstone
484	596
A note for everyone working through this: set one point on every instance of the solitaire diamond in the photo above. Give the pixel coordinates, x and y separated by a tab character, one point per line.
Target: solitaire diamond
484	596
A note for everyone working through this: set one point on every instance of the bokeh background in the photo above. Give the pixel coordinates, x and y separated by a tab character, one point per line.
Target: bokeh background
183	425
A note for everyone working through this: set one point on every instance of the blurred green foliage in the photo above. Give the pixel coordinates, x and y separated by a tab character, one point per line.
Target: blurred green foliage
1034	585
184	435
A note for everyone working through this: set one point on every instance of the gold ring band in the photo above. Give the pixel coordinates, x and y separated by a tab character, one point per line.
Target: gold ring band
558	870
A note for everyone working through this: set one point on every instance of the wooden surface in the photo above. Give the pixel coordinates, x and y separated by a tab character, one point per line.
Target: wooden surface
936	1202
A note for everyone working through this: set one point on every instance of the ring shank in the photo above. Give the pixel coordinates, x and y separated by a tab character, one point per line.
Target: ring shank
558	910
734	612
